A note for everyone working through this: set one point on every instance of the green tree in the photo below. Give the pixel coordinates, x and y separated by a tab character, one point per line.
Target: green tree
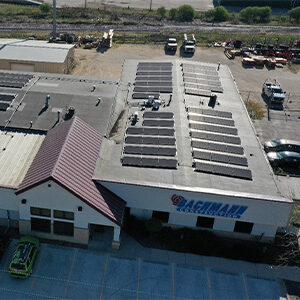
295	14
249	14
161	11
173	13
219	13
264	13
45	8
186	13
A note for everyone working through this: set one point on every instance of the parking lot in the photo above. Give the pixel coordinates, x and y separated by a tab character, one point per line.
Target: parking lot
74	273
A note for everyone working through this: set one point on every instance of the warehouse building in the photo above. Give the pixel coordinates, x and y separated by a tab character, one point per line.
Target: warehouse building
104	149
36	56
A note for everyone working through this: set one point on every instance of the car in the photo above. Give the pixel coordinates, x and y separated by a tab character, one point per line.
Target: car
272	90
284	158
171	44
282	145
24	257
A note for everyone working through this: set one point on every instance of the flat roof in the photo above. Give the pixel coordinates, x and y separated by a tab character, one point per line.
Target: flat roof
109	166
33	50
17	151
65	91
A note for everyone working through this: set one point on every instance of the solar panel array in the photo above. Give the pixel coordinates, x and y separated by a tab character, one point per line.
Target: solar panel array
223	170
6	100
216	146
152	78
12	80
201	80
153	144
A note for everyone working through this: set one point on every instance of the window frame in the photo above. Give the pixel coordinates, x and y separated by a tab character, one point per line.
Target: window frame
40	210
163	216
64	215
241	223
48	221
207	219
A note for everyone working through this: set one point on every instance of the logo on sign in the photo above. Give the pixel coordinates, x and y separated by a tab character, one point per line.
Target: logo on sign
208	208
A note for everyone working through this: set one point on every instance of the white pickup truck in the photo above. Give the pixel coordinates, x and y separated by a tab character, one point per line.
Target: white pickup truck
189	45
272	90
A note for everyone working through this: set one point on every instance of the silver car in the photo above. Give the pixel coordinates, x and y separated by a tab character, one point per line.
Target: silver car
282	145
284	158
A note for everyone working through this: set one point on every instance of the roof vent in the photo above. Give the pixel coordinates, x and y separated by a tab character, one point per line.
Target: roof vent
47	101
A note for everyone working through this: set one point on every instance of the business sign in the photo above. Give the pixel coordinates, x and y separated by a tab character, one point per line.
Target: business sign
208	208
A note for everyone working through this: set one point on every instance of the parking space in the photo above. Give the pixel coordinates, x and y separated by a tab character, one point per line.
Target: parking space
73	273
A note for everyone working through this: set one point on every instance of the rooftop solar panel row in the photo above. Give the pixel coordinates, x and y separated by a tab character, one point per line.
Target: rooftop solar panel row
148	73
162	163
221	158
211	112
150	131
213	128
160	89
216	137
158	123
145	95
147	140
201	81
158	115
213	120
217	147
197	92
148	150
153	78
153	83
223	170
7	97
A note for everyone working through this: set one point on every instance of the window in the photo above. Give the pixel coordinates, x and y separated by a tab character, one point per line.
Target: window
43	212
205	222
161	215
60	214
40	225
63	228
243	227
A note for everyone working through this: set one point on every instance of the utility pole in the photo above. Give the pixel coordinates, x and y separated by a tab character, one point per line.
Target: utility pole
150	4
54	20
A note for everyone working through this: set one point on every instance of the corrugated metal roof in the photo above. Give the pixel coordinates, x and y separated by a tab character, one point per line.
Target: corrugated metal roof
32	50
17	151
68	156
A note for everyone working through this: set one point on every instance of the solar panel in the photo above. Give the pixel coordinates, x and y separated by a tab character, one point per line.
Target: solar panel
223	170
147	73
217	147
197	92
214	128
7	97
149	150
14	80
158	115
153	83
149	162
150	131
4	106
151	78
144	95
216	137
211	112
147	140
153	89
132	150
208	119
158	123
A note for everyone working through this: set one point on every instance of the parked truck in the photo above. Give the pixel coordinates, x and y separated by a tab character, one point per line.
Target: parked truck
189	45
273	91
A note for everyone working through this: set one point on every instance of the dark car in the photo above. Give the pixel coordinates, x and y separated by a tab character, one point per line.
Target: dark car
282	145
284	158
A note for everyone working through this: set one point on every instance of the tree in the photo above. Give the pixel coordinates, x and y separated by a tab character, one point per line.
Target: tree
173	13
295	14
249	14
161	11
264	13
186	13
255	110
45	8
219	13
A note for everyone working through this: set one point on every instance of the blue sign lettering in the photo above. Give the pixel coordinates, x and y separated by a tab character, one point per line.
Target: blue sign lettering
208	208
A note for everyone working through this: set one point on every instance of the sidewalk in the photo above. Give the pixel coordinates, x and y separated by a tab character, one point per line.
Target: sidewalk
130	248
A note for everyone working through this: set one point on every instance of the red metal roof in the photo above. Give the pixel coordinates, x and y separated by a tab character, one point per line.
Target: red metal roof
68	156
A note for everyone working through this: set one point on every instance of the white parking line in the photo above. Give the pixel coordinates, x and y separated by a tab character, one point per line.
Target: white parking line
209	284
173	281
245	285
103	278
138	278
38	266
71	270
